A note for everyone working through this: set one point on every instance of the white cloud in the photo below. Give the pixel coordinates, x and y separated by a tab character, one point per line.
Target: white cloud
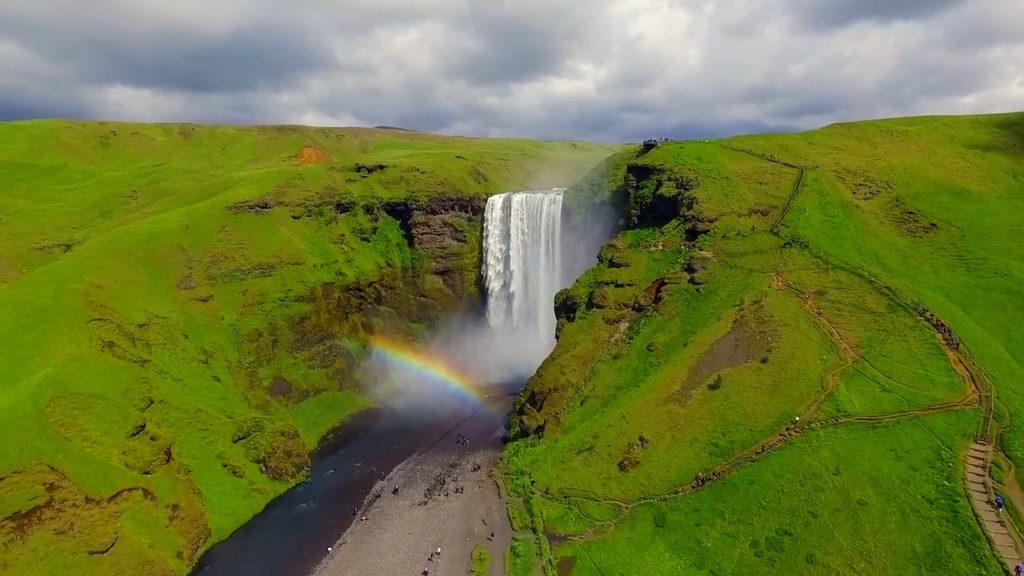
602	69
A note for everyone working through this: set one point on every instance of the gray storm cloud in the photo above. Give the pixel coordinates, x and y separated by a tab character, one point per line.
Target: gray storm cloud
611	70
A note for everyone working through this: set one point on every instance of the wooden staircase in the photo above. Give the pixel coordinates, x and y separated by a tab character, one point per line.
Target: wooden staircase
1000	533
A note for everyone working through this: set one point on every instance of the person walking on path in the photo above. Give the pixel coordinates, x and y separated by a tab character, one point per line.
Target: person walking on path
1000	502
1018	570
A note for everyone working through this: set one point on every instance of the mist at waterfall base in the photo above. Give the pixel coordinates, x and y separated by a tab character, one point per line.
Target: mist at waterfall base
530	251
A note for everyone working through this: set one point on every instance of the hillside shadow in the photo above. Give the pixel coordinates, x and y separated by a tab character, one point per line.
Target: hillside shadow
1010	136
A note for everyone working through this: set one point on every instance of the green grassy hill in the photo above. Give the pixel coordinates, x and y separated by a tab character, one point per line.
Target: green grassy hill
182	309
765	279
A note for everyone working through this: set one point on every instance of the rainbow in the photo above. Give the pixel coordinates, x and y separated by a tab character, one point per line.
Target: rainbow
432	367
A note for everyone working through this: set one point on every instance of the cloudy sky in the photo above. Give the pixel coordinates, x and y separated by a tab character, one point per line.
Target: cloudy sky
609	70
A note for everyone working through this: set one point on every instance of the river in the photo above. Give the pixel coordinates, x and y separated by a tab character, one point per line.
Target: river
291	535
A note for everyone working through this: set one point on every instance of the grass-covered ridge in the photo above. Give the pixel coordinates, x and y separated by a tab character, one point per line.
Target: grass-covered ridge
765	279
182	309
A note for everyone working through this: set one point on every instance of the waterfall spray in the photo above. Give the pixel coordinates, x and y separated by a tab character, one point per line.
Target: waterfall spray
525	262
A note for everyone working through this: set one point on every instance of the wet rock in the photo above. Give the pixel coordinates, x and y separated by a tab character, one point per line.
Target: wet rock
566	305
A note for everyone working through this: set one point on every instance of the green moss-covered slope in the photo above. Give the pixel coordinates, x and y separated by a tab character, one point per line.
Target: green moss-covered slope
182	308
756	377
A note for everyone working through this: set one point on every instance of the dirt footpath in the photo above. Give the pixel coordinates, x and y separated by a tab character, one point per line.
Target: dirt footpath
445	500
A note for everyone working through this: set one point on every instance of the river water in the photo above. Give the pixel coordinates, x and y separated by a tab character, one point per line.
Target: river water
291	535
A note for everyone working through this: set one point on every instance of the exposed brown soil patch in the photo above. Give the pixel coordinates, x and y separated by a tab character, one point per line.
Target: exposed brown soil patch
258	206
909	220
863	186
119	340
311	155
280	387
61	247
747	340
187	282
566	565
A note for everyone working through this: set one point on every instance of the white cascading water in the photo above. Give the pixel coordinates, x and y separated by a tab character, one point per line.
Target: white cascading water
522	266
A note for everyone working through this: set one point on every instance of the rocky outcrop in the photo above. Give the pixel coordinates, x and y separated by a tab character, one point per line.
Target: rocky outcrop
655	197
445	235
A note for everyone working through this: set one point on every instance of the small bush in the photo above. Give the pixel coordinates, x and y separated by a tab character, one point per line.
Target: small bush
659	518
628	462
481	560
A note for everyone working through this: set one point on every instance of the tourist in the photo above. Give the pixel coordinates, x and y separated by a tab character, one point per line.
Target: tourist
1018	570
395	490
1000	502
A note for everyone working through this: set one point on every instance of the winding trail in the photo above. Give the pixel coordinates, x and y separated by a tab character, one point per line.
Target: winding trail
1003	537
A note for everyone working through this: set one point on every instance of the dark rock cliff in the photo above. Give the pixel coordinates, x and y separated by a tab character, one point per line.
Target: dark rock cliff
443	237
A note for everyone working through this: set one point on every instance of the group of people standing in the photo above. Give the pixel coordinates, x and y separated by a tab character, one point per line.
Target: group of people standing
433	554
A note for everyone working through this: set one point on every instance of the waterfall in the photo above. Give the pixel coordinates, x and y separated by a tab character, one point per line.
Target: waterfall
522	267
